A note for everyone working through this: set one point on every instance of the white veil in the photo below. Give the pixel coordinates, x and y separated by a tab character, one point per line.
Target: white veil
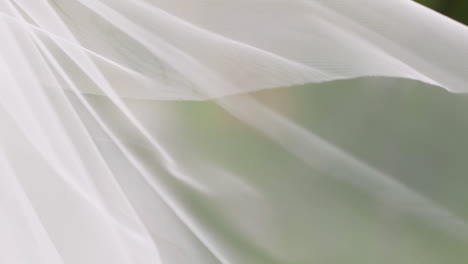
217	131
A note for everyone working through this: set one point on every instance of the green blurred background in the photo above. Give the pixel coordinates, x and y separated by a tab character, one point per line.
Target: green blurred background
456	9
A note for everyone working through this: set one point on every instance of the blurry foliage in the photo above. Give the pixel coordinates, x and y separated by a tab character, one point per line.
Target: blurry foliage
456	9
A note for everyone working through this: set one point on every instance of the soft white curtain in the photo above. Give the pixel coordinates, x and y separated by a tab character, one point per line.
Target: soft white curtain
222	131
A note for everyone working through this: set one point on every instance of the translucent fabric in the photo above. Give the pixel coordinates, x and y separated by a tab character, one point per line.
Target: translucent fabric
217	131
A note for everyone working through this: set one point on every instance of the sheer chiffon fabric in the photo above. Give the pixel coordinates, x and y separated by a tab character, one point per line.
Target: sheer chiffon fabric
216	131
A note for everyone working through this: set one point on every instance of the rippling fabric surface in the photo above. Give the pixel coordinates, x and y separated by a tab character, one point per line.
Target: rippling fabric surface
217	131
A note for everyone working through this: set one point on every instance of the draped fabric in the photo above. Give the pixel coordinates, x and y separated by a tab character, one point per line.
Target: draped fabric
218	131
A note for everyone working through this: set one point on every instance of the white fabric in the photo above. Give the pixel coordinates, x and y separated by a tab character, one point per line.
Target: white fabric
148	131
